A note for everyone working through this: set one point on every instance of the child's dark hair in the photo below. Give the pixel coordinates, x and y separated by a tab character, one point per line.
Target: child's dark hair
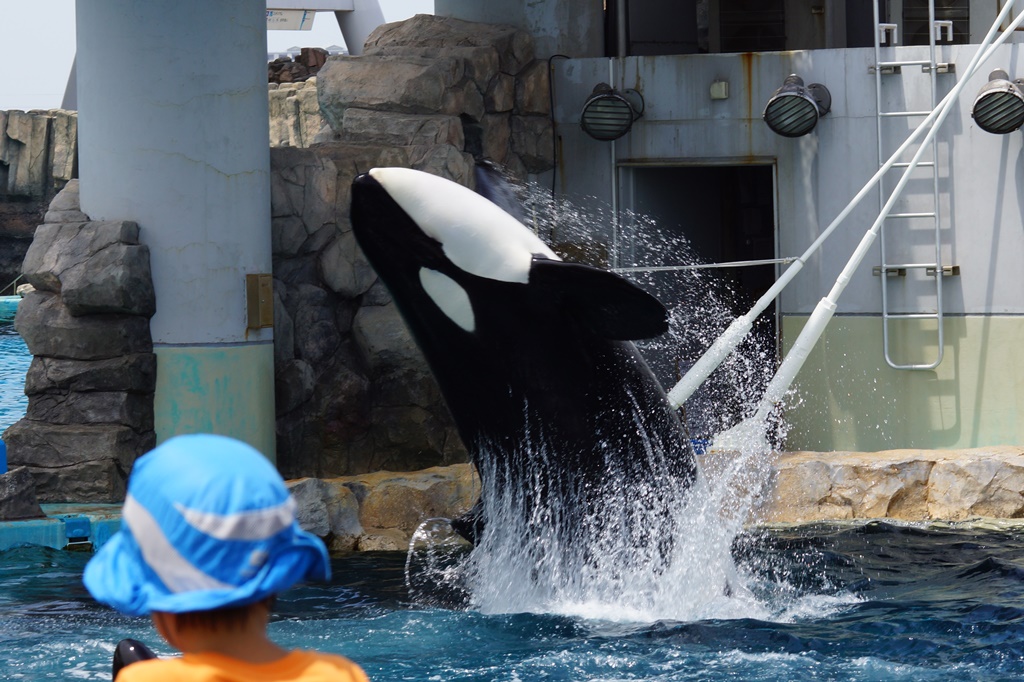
226	618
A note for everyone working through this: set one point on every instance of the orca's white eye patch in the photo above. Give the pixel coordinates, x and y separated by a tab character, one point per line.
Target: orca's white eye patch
476	235
451	298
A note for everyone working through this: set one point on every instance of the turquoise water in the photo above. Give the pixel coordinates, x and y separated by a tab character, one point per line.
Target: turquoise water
866	602
14	362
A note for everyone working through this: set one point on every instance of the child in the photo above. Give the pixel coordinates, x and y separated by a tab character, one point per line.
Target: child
208	537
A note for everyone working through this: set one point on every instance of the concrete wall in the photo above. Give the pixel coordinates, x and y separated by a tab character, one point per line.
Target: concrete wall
980	203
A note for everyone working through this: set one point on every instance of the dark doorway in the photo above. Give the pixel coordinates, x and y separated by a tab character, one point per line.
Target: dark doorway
718	214
726	213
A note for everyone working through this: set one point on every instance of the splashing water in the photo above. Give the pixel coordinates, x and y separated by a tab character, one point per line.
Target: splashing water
653	550
650	550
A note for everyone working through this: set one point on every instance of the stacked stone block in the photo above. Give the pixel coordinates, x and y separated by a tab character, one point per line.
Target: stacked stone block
91	382
436	80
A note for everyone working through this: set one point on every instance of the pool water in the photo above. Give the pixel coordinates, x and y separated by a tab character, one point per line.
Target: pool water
14	362
874	601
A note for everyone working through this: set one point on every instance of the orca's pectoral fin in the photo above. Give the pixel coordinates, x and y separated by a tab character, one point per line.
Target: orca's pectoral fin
130	651
610	305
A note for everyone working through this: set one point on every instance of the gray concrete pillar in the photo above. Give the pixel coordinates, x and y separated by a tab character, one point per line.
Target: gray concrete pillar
173	134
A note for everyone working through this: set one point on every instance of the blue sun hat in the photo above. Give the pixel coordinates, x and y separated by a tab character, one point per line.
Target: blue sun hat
207	523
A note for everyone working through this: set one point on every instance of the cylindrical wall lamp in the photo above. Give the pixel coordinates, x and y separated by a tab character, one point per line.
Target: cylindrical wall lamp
793	110
999	106
608	114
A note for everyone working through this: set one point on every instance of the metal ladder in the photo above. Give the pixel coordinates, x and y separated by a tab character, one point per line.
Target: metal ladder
888	33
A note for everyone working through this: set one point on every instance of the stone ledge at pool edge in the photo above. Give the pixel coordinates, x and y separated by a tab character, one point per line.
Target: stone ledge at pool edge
381	511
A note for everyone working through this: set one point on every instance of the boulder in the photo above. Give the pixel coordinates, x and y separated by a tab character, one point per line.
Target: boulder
285	126
134	410
311	509
308	105
345	269
64	146
76	462
407	85
135	373
116	279
991	485
289	235
533	89
500	94
343	514
533	141
18	496
513	47
49	329
65	207
59	247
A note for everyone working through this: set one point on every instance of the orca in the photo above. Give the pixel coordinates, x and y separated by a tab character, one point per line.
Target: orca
129	651
533	355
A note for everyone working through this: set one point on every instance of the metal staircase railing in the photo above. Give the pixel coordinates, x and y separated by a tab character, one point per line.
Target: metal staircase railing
930	216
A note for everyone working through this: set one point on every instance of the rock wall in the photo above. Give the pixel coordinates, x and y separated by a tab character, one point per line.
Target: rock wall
91	382
295	118
38	152
354	394
38	155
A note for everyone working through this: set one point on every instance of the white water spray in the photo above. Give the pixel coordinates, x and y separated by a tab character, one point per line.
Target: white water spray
649	550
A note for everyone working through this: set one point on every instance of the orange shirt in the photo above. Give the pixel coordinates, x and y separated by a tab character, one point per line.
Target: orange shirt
297	666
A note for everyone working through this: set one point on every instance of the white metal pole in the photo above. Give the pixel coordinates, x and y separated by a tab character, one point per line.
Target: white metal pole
357	24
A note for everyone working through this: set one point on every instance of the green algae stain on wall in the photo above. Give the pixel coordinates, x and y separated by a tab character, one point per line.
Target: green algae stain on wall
222	389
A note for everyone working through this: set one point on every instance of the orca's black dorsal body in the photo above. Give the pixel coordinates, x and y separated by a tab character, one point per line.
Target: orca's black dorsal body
129	651
532	354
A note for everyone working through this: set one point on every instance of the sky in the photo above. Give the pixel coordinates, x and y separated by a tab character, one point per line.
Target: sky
37	46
